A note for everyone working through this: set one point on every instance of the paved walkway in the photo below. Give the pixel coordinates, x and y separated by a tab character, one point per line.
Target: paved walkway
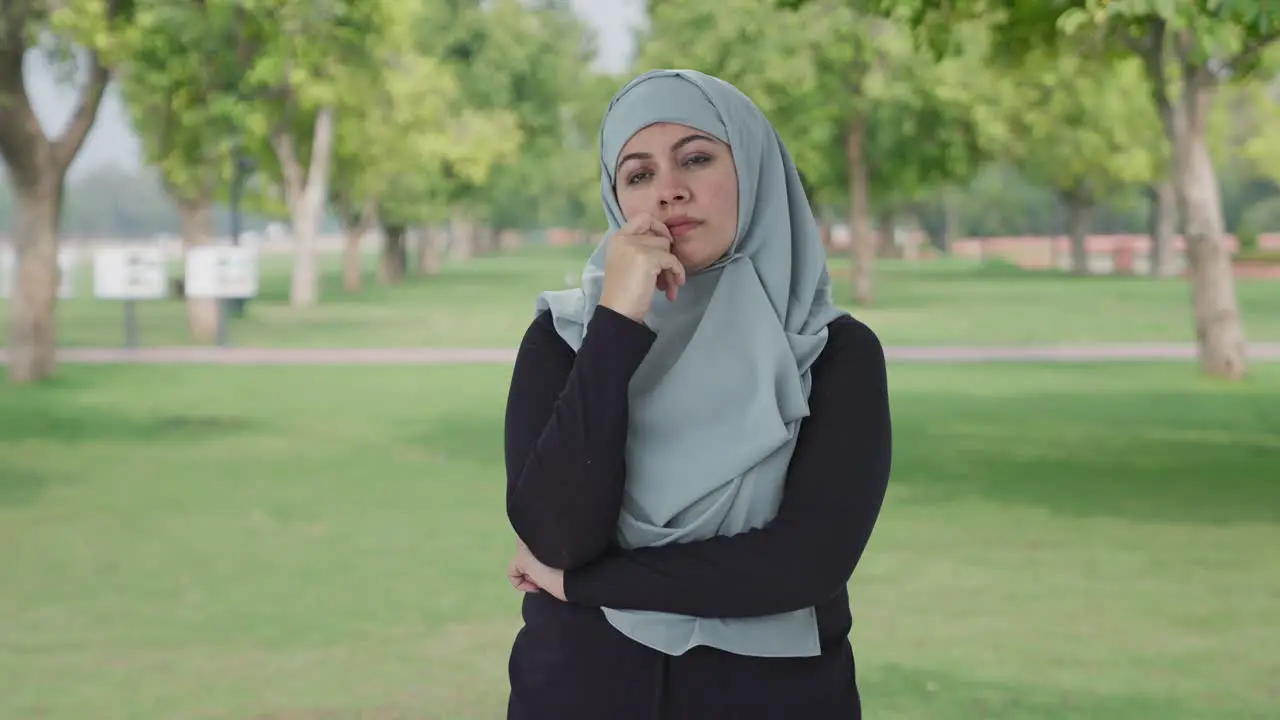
1265	351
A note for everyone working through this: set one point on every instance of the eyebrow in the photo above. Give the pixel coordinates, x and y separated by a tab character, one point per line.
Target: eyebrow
675	146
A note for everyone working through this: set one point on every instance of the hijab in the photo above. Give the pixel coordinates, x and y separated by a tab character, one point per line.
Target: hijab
715	406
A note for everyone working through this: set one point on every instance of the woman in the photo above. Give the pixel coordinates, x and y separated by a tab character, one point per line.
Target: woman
697	439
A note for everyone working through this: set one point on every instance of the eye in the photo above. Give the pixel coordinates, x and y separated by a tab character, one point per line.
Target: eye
637	176
698	159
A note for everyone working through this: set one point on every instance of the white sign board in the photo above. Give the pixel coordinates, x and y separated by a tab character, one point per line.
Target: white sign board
9	272
129	274
222	271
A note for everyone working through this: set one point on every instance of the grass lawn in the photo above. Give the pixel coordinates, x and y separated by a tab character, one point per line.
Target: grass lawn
488	302
322	542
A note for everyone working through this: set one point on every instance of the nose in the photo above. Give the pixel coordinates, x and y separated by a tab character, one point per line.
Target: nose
672	189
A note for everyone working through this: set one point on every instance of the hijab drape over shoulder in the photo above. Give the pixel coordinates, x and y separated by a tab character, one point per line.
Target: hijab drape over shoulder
717	402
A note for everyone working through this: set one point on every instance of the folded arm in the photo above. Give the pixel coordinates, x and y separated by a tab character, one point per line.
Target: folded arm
565	436
836	484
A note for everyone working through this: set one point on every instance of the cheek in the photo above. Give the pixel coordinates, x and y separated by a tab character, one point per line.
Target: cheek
728	208
724	207
631	203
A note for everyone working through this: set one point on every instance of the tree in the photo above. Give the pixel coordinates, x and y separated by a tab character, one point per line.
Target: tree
953	100
848	91
306	58
573	196
1080	126
1258	109
529	59
1205	46
37	164
400	135
180	77
1189	50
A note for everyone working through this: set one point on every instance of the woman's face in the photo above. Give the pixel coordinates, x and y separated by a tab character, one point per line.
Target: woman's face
685	179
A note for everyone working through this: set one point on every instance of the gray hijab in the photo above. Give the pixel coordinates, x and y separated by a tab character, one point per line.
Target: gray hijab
717	402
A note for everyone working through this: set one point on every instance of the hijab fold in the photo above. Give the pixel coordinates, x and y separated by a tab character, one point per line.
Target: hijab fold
716	405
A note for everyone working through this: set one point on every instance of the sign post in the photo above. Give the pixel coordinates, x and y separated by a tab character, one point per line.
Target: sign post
224	273
129	274
243	166
130	324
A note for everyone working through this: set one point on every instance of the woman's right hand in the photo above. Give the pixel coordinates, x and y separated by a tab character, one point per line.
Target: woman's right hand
639	260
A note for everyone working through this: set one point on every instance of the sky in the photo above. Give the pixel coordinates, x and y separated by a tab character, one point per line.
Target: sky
112	140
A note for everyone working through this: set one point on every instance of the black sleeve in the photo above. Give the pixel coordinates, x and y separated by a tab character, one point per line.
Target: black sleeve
836	484
565	436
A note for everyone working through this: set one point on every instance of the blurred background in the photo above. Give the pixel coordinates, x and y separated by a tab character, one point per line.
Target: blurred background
280	495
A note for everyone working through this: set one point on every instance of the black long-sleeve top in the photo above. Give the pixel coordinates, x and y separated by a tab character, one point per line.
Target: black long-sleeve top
566	430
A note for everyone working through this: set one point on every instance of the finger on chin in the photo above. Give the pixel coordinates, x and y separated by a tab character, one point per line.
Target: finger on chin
661	228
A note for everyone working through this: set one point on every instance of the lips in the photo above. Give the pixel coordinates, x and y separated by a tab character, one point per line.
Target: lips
681	226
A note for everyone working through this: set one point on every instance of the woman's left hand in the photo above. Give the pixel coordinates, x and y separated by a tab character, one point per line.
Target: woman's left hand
528	574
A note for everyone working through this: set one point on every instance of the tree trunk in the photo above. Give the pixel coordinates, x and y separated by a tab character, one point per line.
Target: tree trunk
486	240
462	237
862	248
37	167
352	260
430	243
1162	226
395	255
195	222
911	239
354	232
34	300
886	227
306	196
1219	330
1079	211
824	232
304	285
951	219
1218	327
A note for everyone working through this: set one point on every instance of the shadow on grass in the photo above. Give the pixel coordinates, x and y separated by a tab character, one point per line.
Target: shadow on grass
1147	456
43	416
21	485
474	437
1094	446
895	691
55	412
85	424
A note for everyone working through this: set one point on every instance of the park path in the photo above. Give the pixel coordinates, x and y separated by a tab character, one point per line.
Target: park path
1262	351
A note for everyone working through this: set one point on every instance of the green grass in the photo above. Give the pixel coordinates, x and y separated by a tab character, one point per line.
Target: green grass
318	542
488	302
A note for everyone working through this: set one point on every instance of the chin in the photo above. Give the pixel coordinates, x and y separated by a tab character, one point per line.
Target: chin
691	255
693	263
